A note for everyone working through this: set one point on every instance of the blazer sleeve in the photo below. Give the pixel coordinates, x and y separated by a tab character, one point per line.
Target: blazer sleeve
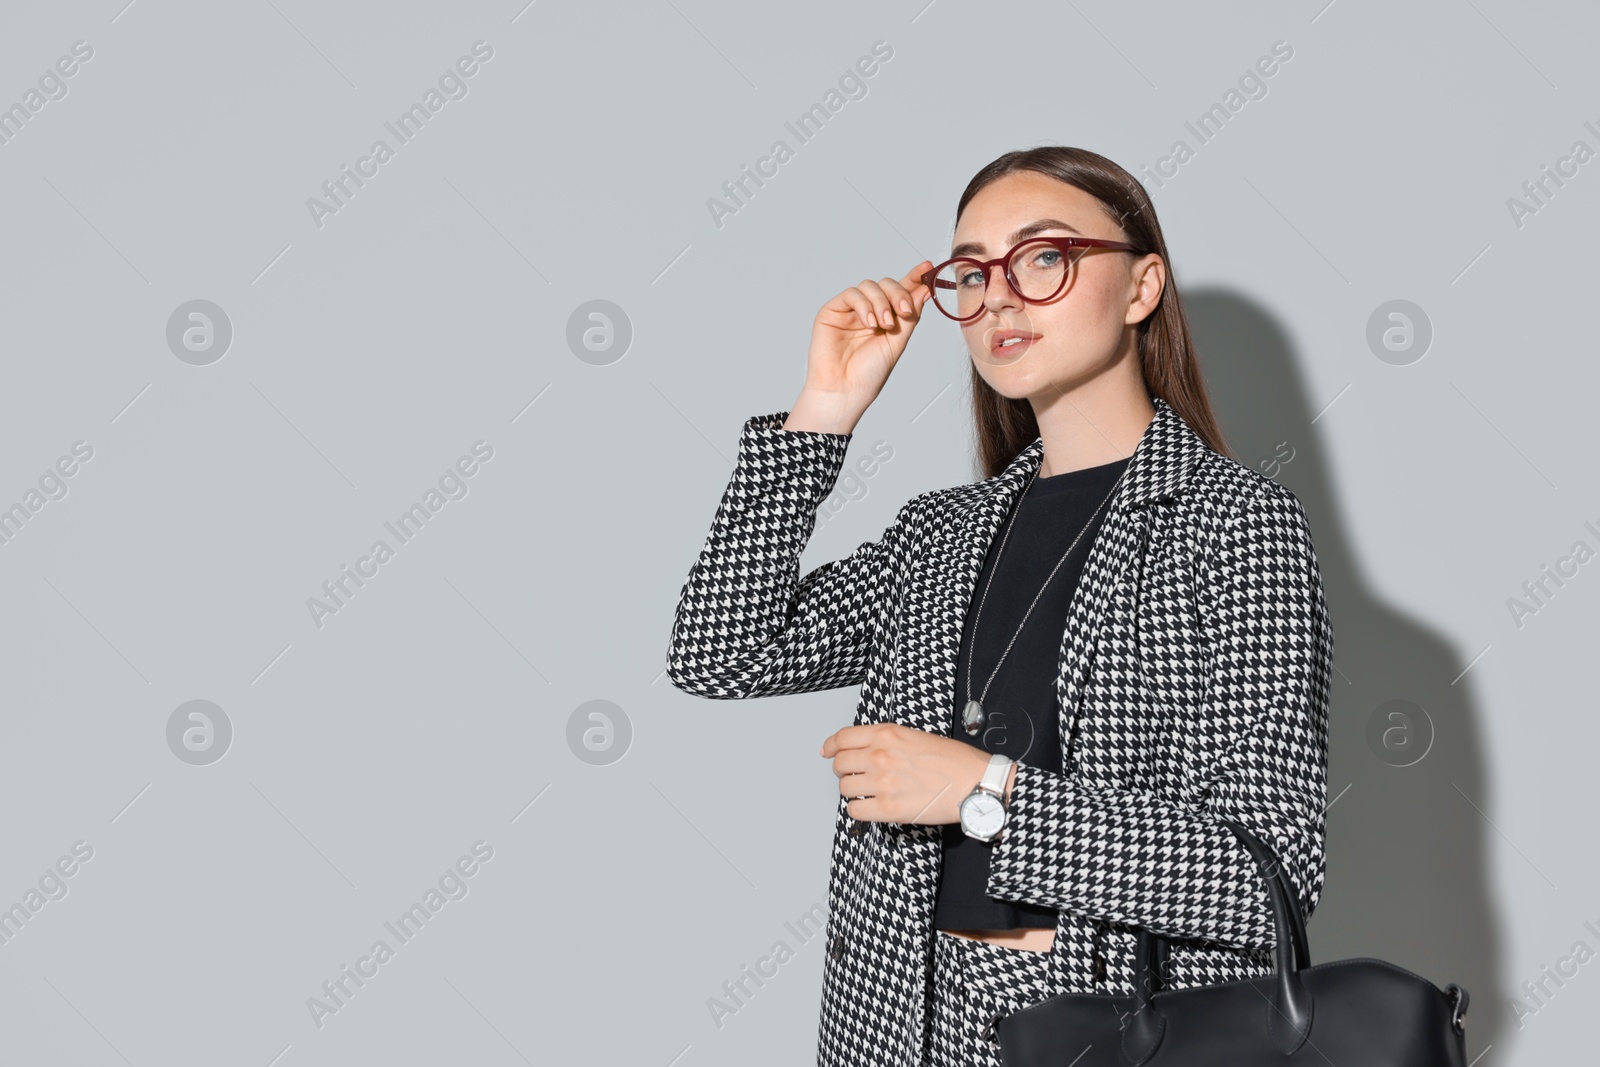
1260	759
747	624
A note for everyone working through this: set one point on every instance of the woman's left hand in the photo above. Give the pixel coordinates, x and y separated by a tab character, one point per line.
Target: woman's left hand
903	775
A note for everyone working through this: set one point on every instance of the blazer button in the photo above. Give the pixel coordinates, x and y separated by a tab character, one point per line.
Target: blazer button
858	829
836	947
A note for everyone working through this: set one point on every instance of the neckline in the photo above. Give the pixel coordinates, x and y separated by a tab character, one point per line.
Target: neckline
1086	478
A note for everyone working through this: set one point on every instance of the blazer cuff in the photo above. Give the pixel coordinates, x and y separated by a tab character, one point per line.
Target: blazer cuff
806	462
1127	859
1007	860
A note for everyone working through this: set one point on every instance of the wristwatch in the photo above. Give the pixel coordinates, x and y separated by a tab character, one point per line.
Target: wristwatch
983	811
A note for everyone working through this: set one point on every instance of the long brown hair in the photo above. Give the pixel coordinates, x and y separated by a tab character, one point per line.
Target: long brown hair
1005	426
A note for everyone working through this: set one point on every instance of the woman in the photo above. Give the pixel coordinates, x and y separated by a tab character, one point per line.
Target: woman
1038	763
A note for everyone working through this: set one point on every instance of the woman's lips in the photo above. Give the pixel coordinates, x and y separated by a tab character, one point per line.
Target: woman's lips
1013	349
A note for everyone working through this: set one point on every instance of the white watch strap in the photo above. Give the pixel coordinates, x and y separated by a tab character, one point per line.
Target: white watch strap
994	776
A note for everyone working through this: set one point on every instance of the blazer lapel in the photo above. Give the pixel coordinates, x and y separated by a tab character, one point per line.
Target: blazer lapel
941	586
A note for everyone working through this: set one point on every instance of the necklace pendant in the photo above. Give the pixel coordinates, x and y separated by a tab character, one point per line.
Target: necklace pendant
972	717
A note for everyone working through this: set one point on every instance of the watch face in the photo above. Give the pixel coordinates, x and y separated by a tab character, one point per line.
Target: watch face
982	815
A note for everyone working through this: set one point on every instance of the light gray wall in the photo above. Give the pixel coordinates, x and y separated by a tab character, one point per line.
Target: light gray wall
445	703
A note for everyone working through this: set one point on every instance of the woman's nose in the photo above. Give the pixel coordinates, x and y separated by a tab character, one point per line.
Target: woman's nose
997	290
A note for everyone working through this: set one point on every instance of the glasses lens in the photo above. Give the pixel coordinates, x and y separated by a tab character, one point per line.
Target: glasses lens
1041	269
958	289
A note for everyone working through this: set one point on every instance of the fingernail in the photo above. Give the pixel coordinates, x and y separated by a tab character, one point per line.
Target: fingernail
905	306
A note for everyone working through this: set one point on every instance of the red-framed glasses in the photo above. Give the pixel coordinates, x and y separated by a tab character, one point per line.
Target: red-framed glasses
1038	270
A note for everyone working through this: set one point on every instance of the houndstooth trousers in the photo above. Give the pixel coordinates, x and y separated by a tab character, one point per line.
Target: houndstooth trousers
973	983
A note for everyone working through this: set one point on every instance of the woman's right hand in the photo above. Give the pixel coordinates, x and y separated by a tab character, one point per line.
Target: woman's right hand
856	339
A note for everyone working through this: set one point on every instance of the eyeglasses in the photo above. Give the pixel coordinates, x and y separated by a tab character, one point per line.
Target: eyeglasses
1038	270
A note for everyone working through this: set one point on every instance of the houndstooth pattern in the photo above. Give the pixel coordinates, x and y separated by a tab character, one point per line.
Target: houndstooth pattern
974	983
1192	683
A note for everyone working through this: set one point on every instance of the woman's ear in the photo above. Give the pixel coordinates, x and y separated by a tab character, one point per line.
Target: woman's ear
1150	279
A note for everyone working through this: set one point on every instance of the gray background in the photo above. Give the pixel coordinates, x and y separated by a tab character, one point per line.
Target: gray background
437	708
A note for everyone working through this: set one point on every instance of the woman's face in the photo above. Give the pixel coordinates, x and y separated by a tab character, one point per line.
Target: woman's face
1080	332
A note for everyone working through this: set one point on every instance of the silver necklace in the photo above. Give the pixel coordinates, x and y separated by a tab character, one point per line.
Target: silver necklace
972	715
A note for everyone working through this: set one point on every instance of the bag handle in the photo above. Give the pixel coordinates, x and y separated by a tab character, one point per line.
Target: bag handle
1288	1011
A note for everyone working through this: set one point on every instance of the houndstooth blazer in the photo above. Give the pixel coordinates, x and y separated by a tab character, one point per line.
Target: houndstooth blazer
1193	685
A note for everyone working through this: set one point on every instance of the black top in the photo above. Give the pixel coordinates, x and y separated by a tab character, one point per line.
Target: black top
1022	713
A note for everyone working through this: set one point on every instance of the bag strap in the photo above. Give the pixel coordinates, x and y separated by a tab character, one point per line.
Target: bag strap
1289	1011
1273	870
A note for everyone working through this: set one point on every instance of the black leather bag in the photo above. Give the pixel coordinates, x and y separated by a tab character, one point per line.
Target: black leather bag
1359	1012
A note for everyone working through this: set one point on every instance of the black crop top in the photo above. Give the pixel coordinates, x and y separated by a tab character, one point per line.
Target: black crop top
1023	716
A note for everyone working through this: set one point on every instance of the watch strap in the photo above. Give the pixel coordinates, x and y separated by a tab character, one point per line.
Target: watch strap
994	776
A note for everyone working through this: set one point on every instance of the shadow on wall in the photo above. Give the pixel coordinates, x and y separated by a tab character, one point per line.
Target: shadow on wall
1407	878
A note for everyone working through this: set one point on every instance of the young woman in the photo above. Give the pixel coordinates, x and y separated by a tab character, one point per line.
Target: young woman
1070	670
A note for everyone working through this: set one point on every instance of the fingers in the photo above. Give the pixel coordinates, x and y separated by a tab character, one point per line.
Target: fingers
851	762
912	282
846	737
881	304
901	297
861	305
889	300
882	315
